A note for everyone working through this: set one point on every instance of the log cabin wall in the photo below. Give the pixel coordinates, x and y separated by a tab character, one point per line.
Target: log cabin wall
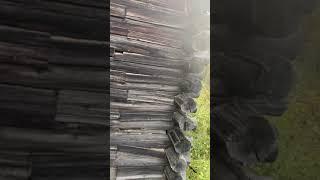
155	75
54	86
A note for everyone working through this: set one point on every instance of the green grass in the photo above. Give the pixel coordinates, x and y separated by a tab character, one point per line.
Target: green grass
200	153
299	128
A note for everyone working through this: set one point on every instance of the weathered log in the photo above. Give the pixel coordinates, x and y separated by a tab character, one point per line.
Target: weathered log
140	11
113	173
55	77
14	159
179	141
31	137
28	100
24	36
89	53
191	84
83	111
139	107
11	178
118	95
143	139
186	103
184	122
14	93
59	7
94	120
144	68
86	3
177	161
150	173
171	175
151	125
115	115
71	172
57	160
168	89
22	172
126	156
143	116
85	98
66	177
60	50
150	33
150	60
150	97
43	16
123	44
117	10
19	54
126	77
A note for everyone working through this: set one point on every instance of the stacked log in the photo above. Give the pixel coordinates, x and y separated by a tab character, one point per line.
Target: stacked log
154	79
54	90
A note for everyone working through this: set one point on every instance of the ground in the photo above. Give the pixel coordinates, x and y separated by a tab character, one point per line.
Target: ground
299	128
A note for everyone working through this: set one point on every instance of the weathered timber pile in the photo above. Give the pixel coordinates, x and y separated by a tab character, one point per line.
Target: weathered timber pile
54	90
154	78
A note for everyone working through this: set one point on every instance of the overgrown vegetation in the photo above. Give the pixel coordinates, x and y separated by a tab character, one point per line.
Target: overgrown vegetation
201	137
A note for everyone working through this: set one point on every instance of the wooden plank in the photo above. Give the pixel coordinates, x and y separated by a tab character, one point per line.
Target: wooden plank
150	60
150	125
57	160
141	139
142	116
28	101
155	97
150	33
18	172
61	8
150	13
82	107
178	5
60	52
141	107
12	159
19	54
128	159
133	46
138	68
147	86
23	36
33	137
42	18
150	97
55	77
14	93
85	98
148	78
86	3
72	173
117	10
78	114
150	173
